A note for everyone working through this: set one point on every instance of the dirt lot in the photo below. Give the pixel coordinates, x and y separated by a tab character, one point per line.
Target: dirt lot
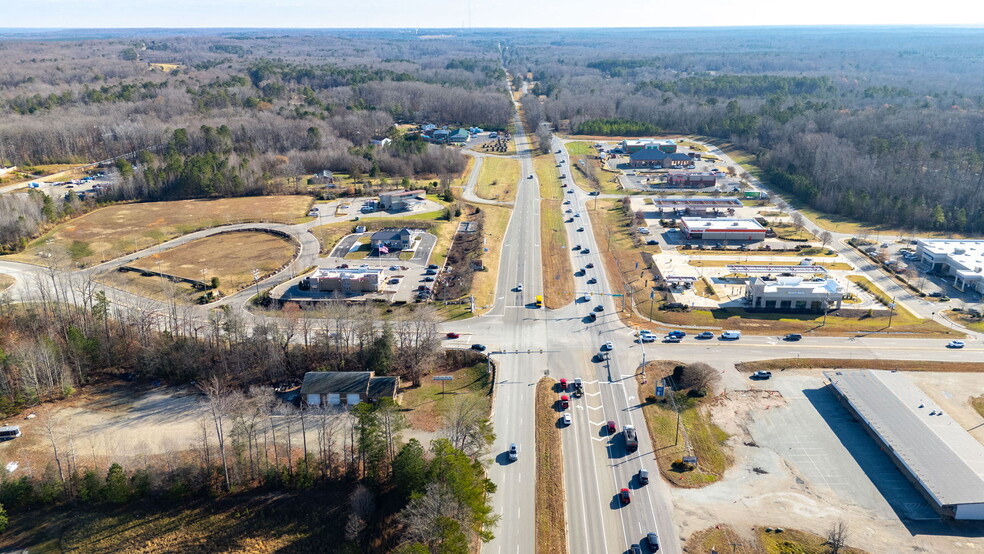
801	462
117	230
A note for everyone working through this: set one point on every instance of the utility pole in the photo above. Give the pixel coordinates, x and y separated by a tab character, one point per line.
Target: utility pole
891	312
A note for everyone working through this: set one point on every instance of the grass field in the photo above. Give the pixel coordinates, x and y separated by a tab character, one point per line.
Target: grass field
117	230
790	231
426	403
329	235
494	231
779	364
705	440
873	290
498	179
551	528
580	148
724	538
6	281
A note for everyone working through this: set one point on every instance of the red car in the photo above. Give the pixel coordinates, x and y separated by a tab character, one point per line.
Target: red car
453	335
624	496
564	401
563	384
612	428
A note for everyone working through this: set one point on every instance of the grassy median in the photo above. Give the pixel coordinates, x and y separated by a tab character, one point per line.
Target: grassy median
558	279
551	521
780	364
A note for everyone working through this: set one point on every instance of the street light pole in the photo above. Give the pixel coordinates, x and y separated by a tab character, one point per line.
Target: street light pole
891	312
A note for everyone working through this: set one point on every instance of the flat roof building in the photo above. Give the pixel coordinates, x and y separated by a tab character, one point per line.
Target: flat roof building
721	228
961	259
346	280
943	461
794	294
399	199
691	180
654	157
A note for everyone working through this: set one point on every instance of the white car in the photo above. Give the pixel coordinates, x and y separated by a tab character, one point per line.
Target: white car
609	346
519	287
567	418
513	452
955	344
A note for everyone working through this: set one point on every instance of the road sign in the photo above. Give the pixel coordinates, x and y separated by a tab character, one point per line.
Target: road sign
660	391
444	378
690	460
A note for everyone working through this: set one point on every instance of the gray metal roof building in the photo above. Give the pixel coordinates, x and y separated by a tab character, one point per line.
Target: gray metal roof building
942	459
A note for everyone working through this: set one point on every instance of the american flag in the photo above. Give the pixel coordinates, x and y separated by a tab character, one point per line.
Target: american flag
383	249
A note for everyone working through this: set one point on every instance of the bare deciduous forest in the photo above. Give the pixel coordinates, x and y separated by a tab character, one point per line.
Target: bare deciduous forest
877	124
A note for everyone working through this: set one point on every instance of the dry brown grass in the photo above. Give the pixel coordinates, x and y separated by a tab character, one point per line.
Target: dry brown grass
558	279
833	266
329	235
699	436
978	404
724	538
426	403
231	257
719	539
494	230
551	528
117	230
6	281
498	179
780	364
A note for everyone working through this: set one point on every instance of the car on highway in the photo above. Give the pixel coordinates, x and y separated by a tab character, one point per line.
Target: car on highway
530	177
567	418
394	268
513	452
608	346
653	541
762	375
955	344
453	335
568	211
645	337
793	337
705	335
563	384
731	335
577	214
592	317
570	192
576	247
594	193
635	549
589	266
430	272
566	202
671	338
599	308
478	347
592	281
586	251
612	428
578	383
432	266
680	334
624	496
643	476
580	229
519	287
565	401
429	279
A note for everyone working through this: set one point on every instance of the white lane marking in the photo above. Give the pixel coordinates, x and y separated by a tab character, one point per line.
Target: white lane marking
519	477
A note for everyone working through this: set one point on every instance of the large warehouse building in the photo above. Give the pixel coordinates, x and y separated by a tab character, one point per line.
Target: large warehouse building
721	228
941	459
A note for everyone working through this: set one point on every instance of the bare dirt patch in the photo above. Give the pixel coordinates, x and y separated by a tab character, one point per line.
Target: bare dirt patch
6	281
117	230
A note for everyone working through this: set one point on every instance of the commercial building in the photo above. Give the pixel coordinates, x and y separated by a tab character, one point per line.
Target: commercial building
399	200
346	388
691	180
961	259
459	137
391	240
794	294
942	460
630	146
721	228
345	280
655	158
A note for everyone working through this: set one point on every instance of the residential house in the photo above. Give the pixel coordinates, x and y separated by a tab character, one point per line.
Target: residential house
381	142
459	137
346	388
326	177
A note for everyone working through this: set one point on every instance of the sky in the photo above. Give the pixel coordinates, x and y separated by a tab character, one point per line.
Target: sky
481	13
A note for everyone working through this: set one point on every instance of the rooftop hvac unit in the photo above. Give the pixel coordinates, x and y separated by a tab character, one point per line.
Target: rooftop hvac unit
977	269
959	251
